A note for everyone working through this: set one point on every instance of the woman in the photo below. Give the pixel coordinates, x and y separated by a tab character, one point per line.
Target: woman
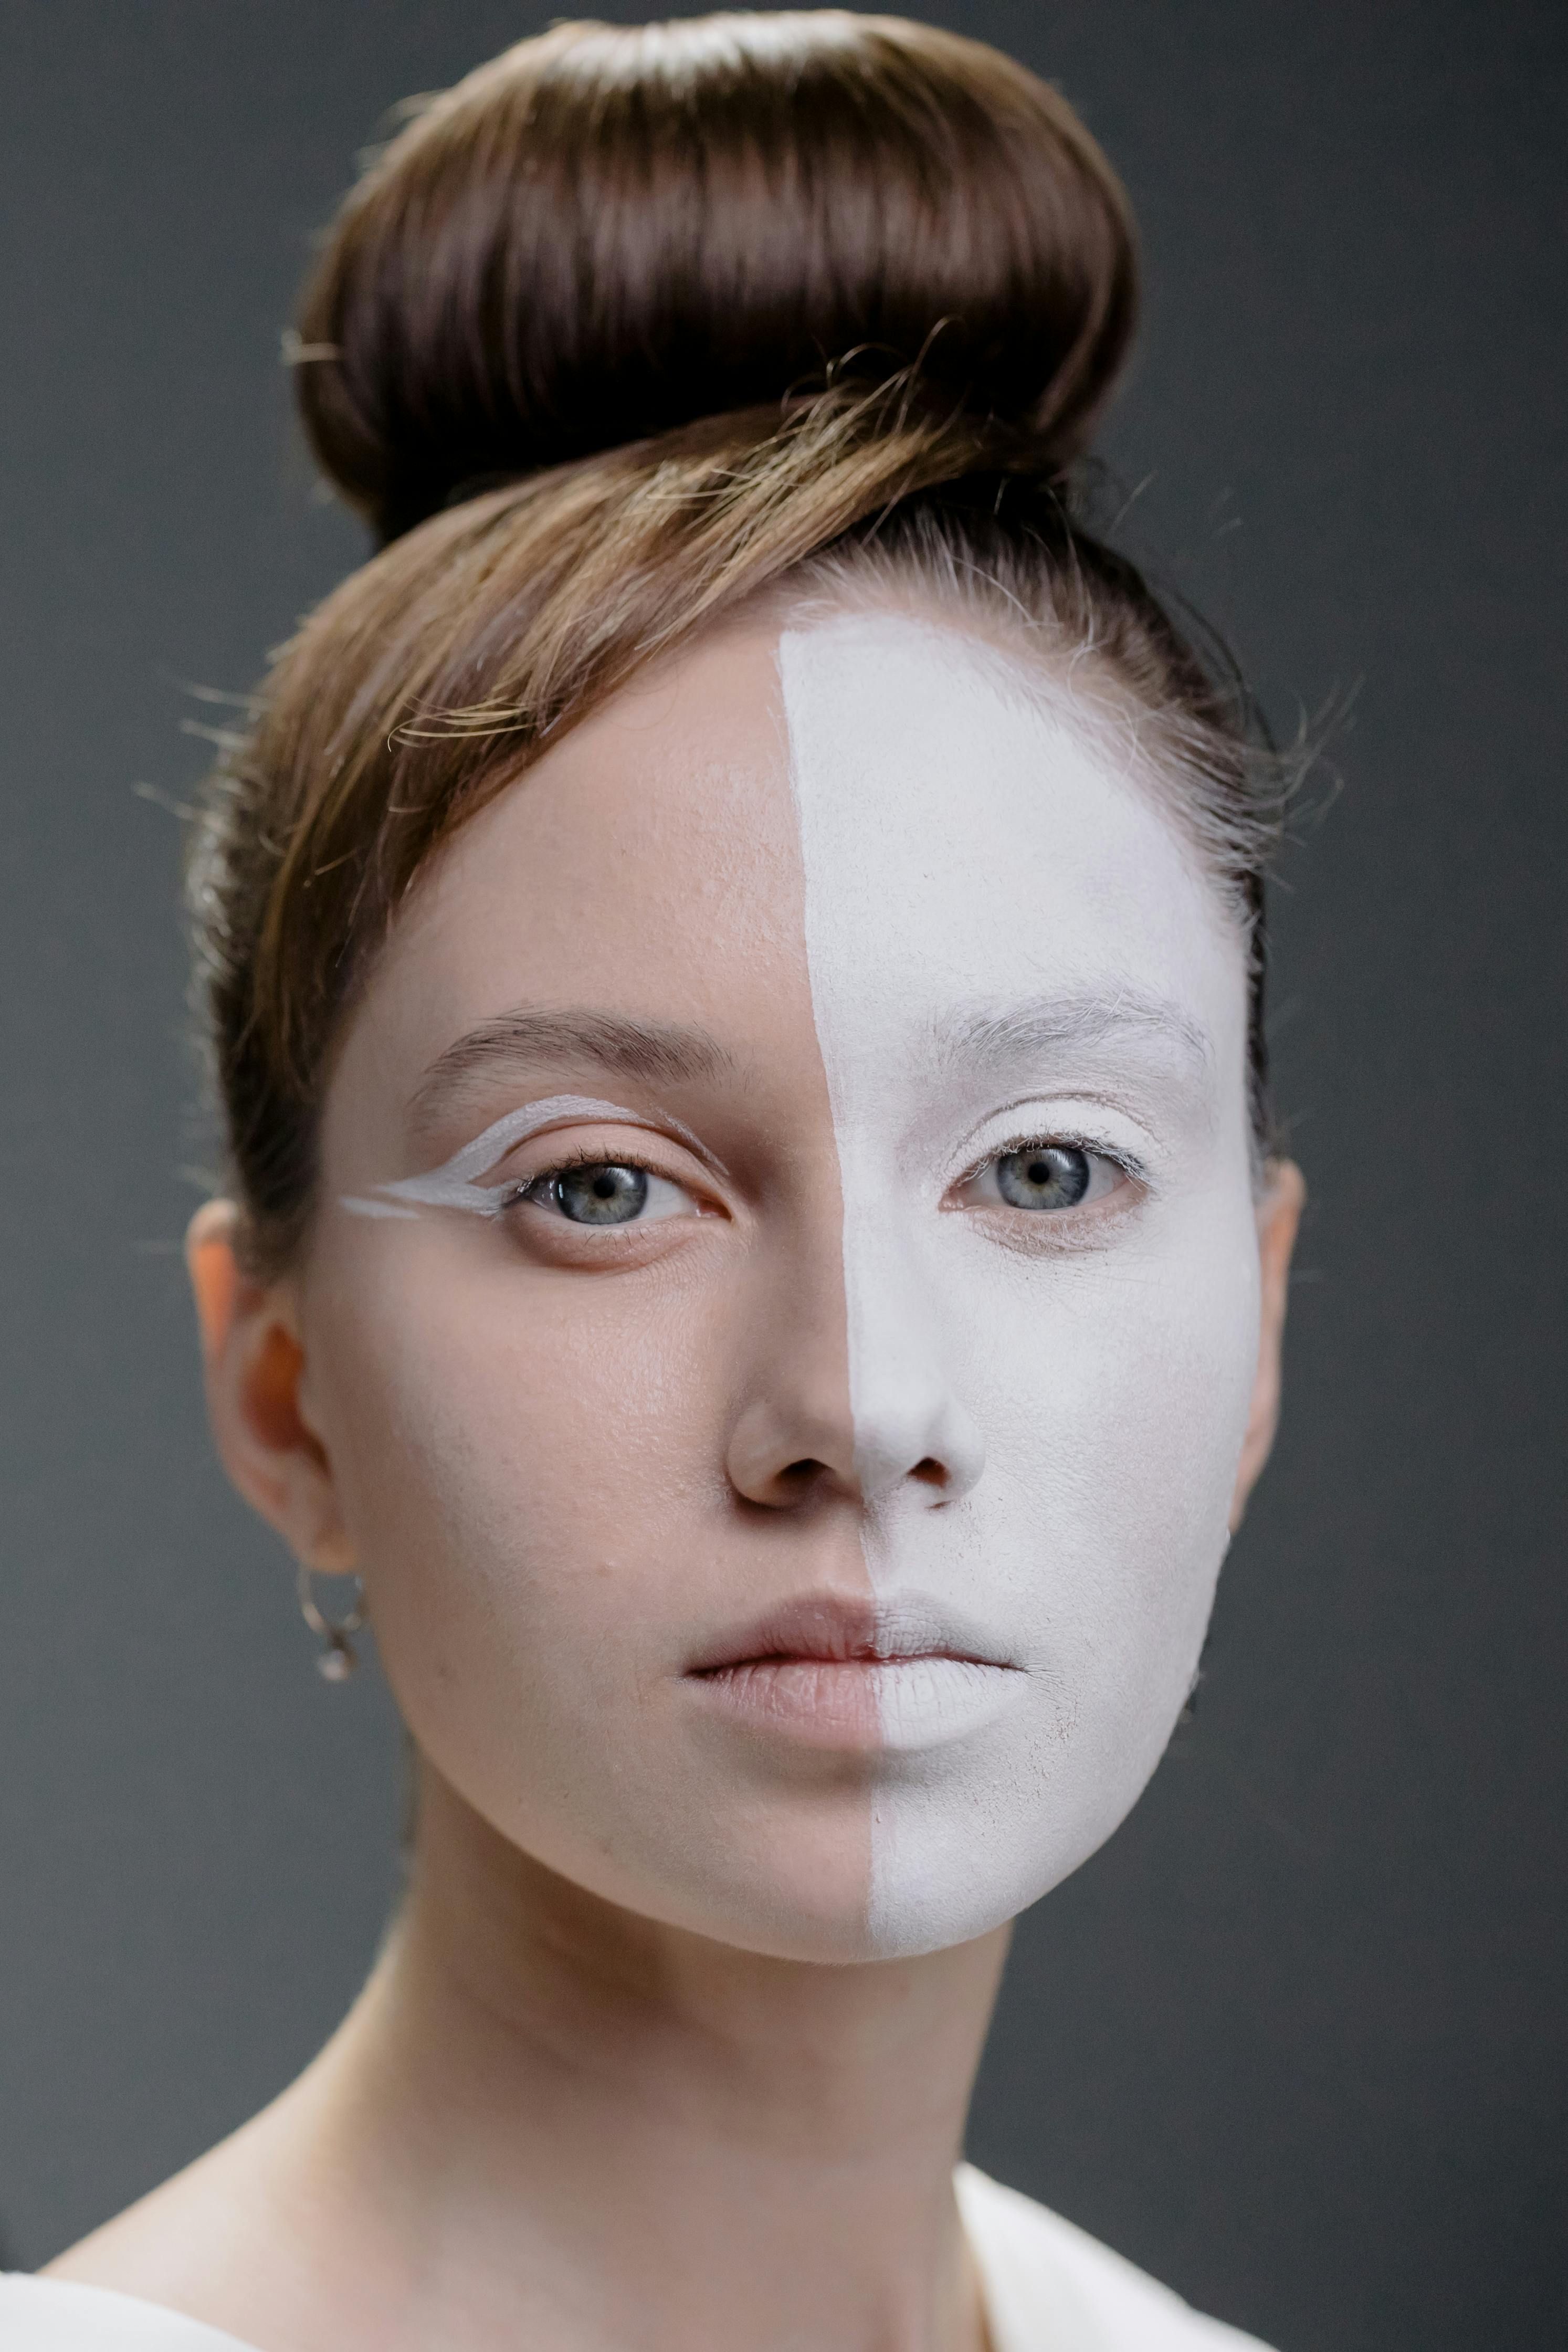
734	961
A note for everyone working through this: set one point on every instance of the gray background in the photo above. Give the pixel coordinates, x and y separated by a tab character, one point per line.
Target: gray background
1295	2041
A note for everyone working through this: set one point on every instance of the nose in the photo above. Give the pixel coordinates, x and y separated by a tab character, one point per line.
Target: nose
850	1391
792	1439
911	1424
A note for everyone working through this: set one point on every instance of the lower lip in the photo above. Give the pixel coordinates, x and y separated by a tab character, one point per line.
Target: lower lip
897	1705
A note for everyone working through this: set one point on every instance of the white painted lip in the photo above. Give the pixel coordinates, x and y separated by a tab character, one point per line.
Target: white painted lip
928	1701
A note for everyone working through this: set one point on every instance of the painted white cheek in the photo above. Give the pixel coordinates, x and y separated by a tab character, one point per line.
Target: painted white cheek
1091	1544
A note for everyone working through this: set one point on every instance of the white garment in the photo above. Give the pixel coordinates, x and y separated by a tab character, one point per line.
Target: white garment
1051	2287
40	2314
1048	2288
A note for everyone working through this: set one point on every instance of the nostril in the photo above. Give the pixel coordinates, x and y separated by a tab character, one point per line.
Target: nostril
801	1473
930	1472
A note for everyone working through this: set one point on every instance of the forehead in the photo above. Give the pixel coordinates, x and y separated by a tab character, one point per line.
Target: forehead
881	790
971	835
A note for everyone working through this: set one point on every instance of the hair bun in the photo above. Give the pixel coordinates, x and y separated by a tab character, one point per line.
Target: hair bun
608	233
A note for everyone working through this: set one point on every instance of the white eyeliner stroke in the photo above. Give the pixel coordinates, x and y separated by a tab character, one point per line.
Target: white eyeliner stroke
452	1186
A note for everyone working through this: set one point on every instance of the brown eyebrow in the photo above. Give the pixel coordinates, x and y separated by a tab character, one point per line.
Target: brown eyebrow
659	1052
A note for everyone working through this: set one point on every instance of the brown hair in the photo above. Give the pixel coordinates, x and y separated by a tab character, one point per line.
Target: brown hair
815	302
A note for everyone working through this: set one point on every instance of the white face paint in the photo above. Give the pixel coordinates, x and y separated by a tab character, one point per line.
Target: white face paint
970	872
456	1183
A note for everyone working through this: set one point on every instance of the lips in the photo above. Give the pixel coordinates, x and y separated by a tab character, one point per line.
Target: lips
840	1671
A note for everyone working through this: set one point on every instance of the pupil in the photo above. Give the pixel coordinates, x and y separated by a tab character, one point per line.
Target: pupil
604	1194
1052	1176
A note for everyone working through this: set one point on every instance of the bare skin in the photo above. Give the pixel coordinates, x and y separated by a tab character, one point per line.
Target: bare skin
581	2104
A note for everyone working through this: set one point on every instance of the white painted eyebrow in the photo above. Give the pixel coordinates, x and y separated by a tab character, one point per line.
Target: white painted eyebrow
453	1185
1060	1026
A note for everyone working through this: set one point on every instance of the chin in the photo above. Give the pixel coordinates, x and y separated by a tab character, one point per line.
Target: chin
956	1856
941	1859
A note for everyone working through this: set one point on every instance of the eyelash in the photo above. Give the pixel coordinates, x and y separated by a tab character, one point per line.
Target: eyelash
513	1193
1060	1140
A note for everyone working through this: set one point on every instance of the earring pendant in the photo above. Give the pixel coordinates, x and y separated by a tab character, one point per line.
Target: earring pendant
337	1657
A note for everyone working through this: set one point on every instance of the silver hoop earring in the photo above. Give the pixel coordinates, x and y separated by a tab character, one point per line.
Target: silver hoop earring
337	1657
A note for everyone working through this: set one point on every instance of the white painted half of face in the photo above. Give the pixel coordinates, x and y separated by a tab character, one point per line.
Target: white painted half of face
1008	942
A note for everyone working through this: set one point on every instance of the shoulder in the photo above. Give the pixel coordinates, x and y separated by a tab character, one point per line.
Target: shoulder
1049	2285
45	2314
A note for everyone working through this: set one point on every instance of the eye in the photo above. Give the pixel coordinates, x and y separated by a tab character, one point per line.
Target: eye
607	1193
1044	1177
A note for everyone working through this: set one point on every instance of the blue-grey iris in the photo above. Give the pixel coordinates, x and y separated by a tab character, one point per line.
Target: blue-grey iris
1046	1176
601	1192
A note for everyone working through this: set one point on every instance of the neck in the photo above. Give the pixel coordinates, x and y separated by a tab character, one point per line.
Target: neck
559	2123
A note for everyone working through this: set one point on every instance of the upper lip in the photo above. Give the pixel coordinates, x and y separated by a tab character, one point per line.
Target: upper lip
845	1628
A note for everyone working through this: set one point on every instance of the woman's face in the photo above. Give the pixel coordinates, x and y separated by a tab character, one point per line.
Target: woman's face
790	1458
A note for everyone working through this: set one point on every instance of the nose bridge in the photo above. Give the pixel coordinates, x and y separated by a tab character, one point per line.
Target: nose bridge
910	1421
793	1413
854	1362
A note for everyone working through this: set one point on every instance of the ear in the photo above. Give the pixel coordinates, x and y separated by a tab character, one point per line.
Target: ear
253	1360
1278	1214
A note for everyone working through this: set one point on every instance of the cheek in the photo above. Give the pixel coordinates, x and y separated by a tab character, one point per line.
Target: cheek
534	1495
1111	1401
504	1446
1115	1400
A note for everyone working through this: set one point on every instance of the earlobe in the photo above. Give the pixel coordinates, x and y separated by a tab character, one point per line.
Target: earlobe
254	1361
1279	1217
